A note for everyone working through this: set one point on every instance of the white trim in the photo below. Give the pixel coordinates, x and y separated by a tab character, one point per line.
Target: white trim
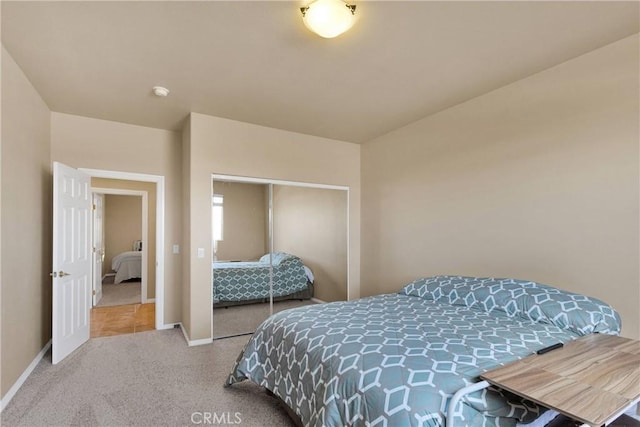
170	326
119	191
128	176
203	341
95	298
317	300
184	332
193	343
160	196
248	179
348	244
270	213
16	386
145	230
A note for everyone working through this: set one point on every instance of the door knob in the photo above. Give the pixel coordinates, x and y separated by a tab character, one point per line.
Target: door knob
63	273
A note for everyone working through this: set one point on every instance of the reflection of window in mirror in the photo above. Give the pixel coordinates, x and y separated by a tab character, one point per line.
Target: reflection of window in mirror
217	222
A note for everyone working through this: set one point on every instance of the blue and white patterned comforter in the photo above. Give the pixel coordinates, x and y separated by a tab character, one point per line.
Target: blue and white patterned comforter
395	360
244	281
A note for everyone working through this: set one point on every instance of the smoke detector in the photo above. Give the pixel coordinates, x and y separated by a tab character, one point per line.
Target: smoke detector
160	91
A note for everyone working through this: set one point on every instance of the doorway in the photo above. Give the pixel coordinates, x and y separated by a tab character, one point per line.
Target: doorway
153	259
72	255
120	239
122	220
125	285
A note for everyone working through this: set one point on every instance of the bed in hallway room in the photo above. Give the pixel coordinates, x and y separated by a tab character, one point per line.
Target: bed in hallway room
237	283
397	359
127	265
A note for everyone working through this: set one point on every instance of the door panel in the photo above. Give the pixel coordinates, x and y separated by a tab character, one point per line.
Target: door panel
71	260
245	236
321	216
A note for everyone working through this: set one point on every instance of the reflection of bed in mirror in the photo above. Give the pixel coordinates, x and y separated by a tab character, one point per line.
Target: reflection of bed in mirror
237	283
127	265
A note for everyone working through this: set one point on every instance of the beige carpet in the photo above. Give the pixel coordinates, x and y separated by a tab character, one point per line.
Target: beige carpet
146	379
242	319
120	294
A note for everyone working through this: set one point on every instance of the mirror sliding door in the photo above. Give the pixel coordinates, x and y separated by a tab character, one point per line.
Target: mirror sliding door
241	264
276	245
311	223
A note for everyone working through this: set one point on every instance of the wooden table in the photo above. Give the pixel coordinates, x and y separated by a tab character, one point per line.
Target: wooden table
592	379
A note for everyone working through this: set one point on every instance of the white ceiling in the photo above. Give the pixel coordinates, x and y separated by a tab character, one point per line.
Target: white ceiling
256	62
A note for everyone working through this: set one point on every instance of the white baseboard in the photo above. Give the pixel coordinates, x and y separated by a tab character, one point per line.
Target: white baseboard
168	326
204	341
184	333
14	389
193	343
318	301
149	300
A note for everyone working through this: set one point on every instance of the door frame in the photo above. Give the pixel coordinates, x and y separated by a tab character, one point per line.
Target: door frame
160	196
97	252
145	227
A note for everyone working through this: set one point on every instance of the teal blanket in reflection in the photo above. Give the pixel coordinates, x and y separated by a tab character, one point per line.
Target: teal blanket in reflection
397	359
244	281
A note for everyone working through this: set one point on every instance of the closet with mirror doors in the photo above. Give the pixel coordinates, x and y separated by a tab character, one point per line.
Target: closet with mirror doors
276	246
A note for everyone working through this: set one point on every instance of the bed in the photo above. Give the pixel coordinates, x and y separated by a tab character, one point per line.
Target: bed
247	282
397	359
127	265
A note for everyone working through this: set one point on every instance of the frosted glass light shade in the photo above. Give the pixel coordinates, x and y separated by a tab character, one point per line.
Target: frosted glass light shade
328	18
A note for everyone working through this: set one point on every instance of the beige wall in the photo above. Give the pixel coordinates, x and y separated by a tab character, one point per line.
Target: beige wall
150	246
83	142
312	224
234	148
244	221
26	224
536	180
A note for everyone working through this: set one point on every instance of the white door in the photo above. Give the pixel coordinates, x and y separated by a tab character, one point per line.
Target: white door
71	260
98	246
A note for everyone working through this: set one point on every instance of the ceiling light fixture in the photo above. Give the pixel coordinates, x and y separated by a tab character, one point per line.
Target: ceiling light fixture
328	18
160	91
